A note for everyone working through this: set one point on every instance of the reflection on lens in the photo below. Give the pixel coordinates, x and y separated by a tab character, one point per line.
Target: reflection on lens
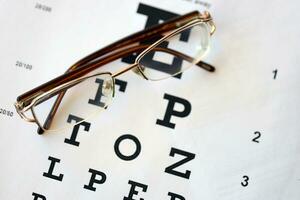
83	100
177	53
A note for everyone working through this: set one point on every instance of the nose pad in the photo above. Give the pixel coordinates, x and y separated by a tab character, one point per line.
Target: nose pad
107	87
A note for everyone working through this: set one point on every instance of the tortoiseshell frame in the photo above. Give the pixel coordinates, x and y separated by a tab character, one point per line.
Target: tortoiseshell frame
119	49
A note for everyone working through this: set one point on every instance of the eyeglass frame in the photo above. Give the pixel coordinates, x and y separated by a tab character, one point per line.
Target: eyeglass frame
37	95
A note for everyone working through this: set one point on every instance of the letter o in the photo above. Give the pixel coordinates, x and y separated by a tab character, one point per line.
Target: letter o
137	150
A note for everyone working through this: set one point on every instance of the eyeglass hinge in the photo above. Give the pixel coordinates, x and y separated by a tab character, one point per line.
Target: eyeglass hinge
19	105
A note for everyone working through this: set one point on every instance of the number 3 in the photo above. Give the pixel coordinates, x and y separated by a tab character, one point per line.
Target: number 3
245	182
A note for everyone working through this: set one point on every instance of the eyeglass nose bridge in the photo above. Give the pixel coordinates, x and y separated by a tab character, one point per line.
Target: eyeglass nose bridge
140	71
137	71
135	67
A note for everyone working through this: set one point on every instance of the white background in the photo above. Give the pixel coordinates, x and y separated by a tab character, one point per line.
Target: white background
253	38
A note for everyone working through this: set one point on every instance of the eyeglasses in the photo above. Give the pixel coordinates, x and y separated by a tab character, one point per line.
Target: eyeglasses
163	51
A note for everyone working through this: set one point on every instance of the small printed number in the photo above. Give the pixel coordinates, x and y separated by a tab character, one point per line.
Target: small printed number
43	7
244	183
257	137
275	73
6	112
24	65
200	2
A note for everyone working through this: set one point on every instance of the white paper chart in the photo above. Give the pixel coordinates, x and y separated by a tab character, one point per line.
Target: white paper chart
231	134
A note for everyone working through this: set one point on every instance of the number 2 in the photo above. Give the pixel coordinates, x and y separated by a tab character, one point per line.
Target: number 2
257	137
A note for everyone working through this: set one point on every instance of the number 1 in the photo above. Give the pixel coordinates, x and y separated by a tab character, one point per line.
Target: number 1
275	73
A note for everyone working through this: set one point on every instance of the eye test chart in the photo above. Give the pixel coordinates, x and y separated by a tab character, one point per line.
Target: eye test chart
230	134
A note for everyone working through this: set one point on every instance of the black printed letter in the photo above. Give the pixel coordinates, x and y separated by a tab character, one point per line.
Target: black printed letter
175	196
75	130
97	100
38	196
94	180
188	157
135	154
133	191
154	17
170	110
50	174
122	84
